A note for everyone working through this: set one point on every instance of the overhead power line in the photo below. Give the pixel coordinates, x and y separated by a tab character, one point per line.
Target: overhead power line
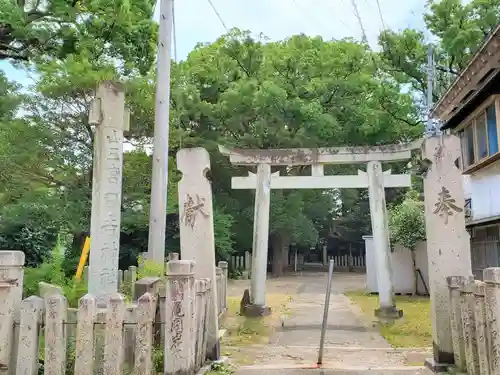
356	13
218	15
380	14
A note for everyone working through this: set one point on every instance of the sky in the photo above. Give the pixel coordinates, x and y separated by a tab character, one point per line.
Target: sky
196	21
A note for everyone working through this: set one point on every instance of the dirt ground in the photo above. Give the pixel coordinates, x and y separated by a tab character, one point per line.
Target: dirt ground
294	336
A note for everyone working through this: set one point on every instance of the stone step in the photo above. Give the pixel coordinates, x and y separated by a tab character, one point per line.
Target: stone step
274	370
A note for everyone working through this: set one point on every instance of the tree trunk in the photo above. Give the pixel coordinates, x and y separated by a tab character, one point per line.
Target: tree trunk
415	276
277	268
285	251
280	245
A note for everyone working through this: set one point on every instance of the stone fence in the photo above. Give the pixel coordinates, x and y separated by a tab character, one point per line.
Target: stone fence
348	262
475	321
167	320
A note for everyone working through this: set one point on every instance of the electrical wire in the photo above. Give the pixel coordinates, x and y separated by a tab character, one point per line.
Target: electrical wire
218	15
380	14
358	16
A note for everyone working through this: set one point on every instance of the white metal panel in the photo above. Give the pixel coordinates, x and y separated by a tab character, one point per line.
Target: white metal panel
485	192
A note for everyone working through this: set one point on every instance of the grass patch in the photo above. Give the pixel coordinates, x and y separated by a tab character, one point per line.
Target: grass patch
244	331
414	330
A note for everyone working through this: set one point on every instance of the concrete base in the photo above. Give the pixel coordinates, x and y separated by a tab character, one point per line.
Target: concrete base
388	313
434	366
256	310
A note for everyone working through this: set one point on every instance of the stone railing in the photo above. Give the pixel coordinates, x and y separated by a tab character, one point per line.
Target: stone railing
345	261
169	316
475	321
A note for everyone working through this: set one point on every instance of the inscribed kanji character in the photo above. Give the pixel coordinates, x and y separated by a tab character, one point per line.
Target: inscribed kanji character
446	205
191	209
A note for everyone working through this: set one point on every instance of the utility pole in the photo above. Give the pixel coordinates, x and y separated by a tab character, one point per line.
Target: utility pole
158	209
430	87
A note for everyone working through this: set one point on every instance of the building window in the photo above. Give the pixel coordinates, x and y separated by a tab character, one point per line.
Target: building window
482	138
479	138
469	157
491	118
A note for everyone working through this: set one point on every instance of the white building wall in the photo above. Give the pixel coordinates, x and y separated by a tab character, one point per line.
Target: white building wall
402	267
485	191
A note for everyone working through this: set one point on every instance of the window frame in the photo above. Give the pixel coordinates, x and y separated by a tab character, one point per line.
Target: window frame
470	121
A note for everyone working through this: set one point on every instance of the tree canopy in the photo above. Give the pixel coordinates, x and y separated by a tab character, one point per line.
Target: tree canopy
458	29
241	91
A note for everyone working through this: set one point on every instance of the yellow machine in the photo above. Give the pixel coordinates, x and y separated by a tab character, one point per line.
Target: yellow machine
83	258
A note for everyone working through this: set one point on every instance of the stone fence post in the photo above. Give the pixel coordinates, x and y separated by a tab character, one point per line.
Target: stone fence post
467	304
178	328
224	267
491	277
483	336
11	294
219	281
457	333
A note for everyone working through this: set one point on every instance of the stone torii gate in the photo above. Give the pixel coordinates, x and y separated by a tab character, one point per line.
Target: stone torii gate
374	179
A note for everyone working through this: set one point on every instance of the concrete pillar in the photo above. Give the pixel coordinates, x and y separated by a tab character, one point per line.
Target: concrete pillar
178	332
448	243
491	277
325	255
109	114
380	230
196	227
260	240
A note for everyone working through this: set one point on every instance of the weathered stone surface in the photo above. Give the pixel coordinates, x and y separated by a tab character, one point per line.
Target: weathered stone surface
448	243
149	284
47	290
108	113
467	305
113	336
483	337
224	267
11	289
84	350
197	228
455	283
491	277
55	335
144	334
178	331
28	352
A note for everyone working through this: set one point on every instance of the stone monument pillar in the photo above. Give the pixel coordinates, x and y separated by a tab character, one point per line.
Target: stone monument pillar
197	229
448	243
111	119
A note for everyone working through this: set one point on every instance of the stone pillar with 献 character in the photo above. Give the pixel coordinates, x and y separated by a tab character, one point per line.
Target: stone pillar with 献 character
196	228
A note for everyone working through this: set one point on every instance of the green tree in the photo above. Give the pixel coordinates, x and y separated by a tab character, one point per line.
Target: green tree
460	29
300	92
122	29
407	226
